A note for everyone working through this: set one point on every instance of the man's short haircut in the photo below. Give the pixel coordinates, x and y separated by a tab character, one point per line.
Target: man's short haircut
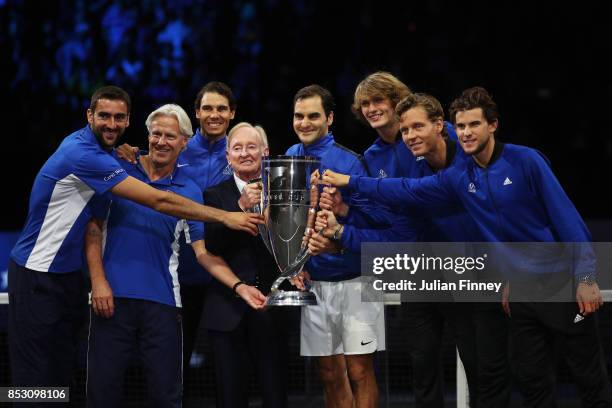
327	100
219	88
112	93
472	98
174	111
431	106
260	131
379	84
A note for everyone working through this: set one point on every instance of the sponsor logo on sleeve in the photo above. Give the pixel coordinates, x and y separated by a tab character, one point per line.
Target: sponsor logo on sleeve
113	174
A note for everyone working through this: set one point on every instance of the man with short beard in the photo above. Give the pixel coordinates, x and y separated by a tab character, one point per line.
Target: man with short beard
47	292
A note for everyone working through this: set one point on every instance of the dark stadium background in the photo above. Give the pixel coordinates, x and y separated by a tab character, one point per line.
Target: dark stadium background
545	64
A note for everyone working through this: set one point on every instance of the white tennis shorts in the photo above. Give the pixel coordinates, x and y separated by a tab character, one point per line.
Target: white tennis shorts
341	323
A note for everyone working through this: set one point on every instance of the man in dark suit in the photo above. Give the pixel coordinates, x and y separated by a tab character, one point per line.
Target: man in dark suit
242	334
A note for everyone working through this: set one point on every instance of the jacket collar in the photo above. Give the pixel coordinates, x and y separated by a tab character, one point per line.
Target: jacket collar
451	151
205	144
176	178
318	147
382	145
498	149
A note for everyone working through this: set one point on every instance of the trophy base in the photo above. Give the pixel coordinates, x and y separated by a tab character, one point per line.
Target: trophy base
291	298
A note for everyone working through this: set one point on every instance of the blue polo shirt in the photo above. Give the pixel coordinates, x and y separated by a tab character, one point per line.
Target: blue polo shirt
52	239
141	250
207	166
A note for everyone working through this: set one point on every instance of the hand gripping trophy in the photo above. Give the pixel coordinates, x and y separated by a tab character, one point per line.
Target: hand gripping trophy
290	196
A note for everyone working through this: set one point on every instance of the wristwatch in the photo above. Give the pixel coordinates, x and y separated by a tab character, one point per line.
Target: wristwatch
587	279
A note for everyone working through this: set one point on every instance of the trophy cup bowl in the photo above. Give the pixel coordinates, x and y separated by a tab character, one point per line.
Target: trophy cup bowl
289	202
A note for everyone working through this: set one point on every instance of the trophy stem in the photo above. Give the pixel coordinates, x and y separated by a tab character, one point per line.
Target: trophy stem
276	284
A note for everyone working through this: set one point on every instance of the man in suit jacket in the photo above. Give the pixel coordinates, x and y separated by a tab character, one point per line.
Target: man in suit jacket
241	332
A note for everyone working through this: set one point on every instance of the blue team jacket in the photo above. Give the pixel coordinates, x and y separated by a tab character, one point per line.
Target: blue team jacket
385	160
516	198
396	160
334	267
451	223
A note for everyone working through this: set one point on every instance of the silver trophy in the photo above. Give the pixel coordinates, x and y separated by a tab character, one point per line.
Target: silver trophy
289	203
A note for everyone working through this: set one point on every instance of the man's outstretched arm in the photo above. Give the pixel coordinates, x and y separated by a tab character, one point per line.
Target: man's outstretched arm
425	192
181	207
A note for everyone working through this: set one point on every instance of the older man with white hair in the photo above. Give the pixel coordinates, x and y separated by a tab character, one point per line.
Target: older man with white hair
136	299
241	332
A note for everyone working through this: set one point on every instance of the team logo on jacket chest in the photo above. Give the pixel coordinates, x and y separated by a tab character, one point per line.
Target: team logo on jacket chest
382	174
471	188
